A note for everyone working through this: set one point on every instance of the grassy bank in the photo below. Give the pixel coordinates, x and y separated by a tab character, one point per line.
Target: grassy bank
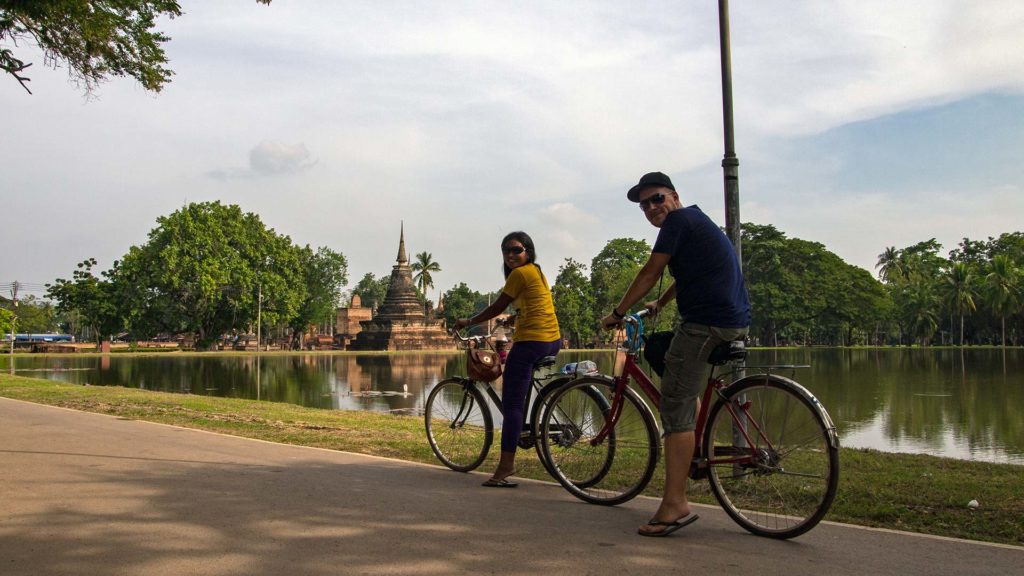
906	492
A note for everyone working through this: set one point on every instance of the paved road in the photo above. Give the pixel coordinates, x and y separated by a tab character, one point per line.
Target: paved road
91	494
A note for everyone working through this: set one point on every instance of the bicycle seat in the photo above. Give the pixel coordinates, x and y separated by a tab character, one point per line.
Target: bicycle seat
728	352
544	363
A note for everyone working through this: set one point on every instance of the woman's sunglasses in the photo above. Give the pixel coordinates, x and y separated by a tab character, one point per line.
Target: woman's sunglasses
517	250
655	200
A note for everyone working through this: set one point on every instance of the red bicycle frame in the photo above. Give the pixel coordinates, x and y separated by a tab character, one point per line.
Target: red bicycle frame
630	369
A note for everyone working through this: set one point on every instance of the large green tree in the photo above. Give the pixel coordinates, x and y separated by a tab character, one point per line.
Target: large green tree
912	276
1010	244
920	309
36	315
959	292
372	290
6	320
460	302
325	272
614	268
95	39
88	301
1003	290
573	297
800	291
203	271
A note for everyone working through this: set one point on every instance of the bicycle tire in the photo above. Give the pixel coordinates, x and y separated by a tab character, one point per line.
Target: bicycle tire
791	483
613	471
537	411
459	425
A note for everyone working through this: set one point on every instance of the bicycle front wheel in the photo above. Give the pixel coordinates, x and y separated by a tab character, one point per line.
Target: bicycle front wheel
459	425
613	470
778	479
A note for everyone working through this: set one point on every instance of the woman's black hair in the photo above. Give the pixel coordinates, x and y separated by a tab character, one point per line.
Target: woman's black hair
527	242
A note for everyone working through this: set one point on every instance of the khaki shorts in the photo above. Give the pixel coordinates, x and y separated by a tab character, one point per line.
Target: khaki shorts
686	372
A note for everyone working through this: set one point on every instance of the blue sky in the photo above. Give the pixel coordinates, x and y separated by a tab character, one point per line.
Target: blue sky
859	125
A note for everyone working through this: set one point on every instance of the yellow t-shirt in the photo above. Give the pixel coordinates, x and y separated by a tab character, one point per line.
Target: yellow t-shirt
529	291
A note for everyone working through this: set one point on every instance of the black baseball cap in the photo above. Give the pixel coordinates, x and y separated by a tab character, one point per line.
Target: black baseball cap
647	181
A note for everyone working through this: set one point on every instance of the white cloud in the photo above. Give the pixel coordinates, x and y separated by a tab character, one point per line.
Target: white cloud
469	119
270	158
807	67
279	158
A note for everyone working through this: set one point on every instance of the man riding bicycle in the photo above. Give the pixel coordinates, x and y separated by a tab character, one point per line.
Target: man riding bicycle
713	307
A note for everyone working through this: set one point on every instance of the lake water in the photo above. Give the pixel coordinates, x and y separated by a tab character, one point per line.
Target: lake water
963	404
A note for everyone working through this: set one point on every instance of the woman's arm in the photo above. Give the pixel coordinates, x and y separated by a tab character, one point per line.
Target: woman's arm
496	307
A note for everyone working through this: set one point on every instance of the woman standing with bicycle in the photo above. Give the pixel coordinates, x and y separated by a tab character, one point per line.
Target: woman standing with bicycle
537	335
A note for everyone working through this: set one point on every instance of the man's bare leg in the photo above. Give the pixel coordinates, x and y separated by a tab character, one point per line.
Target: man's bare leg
675	503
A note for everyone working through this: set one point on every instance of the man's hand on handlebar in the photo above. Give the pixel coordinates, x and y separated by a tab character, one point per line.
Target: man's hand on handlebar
610	321
461	323
654	306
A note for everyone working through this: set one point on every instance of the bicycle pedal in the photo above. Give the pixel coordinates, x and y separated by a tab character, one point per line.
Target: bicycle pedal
526	441
698	469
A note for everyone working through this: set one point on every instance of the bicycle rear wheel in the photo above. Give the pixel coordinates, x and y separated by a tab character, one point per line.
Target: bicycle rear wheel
459	425
784	482
614	470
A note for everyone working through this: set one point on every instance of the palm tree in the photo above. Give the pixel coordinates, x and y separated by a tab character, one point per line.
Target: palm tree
922	316
1002	285
423	267
959	288
890	265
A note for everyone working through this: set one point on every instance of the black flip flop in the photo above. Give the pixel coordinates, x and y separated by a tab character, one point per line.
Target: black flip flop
502	483
670	527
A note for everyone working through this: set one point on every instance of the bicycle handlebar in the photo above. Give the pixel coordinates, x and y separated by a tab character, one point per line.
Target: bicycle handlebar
632	318
454	332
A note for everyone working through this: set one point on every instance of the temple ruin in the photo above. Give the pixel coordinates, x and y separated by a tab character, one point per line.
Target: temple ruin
400	323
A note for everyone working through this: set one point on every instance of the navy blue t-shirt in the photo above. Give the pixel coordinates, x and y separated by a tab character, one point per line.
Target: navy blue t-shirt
709	283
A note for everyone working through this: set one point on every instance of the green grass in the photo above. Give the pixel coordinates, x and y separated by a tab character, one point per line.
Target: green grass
916	493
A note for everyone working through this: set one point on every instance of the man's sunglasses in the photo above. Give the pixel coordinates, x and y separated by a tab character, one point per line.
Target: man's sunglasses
656	200
517	250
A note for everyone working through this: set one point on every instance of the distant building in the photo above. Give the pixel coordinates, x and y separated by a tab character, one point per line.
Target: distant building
346	322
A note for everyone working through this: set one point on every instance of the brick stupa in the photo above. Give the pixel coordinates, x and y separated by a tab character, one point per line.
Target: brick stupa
400	322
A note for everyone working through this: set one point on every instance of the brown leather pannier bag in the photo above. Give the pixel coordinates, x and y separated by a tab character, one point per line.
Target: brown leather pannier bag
483	365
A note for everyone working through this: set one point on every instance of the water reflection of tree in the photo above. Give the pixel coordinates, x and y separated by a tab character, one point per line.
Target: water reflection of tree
924	397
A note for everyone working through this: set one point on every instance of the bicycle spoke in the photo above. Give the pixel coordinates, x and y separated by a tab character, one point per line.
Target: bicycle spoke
787	482
459	427
607	472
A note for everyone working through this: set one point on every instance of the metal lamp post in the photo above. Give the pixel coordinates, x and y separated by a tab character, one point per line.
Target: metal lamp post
731	173
730	163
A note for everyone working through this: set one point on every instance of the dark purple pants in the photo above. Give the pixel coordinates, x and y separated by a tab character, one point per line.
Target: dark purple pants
517	375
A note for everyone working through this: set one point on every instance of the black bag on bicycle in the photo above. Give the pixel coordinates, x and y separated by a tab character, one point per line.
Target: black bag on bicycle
655	347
